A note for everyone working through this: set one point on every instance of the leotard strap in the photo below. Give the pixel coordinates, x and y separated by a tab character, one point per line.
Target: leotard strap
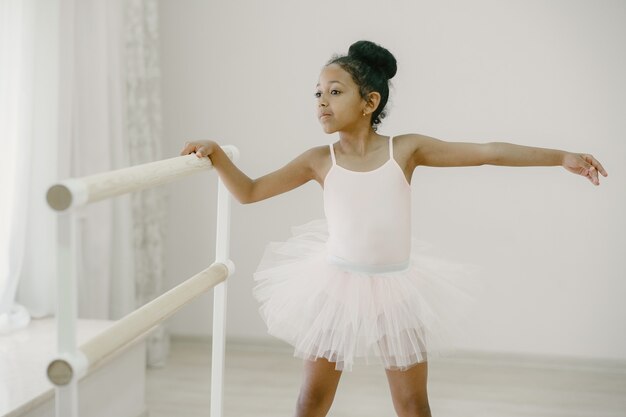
332	154
391	147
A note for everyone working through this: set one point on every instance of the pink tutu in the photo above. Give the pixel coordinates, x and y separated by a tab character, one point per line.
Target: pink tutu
329	311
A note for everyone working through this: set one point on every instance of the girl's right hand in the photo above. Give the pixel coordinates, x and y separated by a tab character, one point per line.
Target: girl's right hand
200	148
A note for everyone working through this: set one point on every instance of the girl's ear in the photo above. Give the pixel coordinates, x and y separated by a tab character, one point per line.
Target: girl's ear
372	102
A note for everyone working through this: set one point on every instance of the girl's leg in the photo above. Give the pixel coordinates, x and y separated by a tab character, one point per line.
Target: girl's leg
408	391
318	388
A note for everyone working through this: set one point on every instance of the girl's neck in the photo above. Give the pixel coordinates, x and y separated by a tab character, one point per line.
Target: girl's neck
358	143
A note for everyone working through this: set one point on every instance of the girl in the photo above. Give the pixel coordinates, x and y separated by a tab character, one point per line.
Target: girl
356	286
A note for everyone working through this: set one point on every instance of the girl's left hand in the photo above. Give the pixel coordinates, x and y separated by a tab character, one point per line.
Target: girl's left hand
585	165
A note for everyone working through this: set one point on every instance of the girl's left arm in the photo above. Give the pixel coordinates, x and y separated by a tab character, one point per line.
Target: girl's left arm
433	152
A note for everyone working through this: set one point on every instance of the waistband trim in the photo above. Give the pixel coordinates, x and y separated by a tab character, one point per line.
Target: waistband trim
368	269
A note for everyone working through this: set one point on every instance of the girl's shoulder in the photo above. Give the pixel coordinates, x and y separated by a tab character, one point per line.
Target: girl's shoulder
318	158
407	143
314	154
320	150
408	139
317	153
409	149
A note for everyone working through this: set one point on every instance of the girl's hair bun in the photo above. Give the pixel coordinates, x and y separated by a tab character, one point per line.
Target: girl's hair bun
375	56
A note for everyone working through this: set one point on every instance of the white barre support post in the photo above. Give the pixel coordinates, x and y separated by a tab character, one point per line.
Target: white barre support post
219	301
67	395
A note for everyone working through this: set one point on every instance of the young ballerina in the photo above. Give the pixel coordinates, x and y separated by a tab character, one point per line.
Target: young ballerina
355	286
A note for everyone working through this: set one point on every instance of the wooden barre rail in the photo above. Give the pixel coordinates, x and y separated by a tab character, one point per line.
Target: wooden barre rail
76	192
134	325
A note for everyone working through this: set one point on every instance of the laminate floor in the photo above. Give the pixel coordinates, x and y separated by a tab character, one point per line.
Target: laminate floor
264	381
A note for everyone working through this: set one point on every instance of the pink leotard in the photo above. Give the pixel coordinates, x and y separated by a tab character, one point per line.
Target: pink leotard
369	217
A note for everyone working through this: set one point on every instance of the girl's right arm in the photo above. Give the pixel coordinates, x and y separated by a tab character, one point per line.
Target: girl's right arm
246	190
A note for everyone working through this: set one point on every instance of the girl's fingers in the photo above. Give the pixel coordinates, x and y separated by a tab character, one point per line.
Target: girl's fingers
587	166
599	167
596	164
191	147
187	149
593	176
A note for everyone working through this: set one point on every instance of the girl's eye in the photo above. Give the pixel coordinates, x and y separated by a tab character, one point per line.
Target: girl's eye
318	94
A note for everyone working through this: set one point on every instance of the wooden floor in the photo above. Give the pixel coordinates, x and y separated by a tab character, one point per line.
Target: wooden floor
264	381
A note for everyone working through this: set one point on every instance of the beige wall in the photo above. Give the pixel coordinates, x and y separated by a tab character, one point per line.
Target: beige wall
539	73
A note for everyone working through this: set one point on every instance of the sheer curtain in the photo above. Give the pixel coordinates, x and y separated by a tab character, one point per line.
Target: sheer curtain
16	103
99	66
143	129
117	123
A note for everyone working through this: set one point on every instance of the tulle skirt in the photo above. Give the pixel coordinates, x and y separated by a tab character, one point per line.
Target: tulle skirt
329	311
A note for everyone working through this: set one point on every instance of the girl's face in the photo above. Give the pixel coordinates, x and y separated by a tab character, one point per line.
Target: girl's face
339	104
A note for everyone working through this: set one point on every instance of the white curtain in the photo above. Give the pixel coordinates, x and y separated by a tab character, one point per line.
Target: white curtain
37	278
103	114
117	123
16	102
89	132
143	129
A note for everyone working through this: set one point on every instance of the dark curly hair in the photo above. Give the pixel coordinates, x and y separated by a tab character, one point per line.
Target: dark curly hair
371	67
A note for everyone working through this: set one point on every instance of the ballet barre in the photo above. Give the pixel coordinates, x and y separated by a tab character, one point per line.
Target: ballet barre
76	192
73	362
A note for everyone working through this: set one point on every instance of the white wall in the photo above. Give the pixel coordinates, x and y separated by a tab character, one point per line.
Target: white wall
539	73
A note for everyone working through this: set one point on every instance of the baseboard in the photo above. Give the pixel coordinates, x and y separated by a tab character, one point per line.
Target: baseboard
538	361
239	343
